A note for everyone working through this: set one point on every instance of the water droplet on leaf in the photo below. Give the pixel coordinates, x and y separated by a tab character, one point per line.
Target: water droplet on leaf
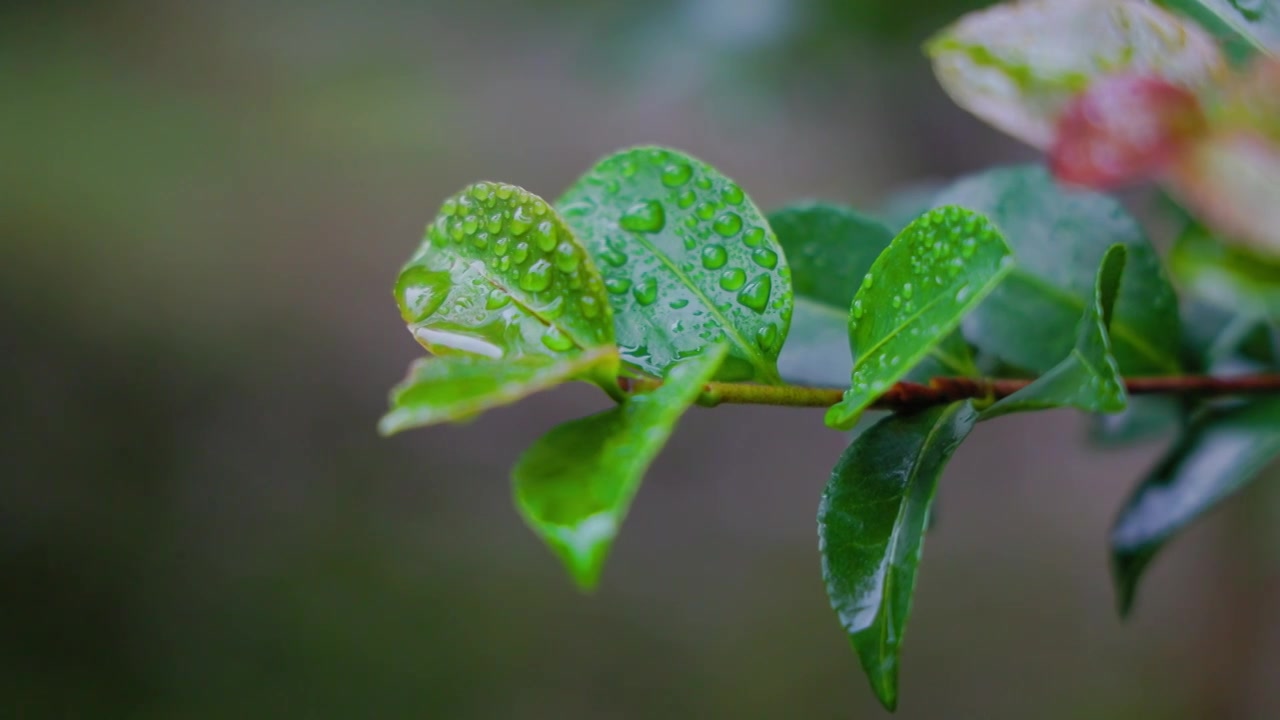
714	257
756	294
645	217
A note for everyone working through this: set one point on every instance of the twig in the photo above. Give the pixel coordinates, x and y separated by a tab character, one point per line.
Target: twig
942	390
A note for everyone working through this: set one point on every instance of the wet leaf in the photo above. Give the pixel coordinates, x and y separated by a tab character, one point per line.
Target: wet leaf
1245	27
574	485
1088	378
1220	453
688	260
1059	237
933	273
500	275
829	248
871	526
1016	65
459	387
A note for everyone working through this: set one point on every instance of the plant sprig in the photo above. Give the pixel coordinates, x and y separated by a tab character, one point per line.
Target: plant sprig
658	279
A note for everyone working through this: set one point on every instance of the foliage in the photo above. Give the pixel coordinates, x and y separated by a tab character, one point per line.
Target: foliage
658	279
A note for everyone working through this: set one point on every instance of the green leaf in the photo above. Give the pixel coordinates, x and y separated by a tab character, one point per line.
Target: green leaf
1059	238
871	525
1015	66
575	484
1088	378
935	271
829	248
1221	452
500	275
459	387
688	260
1229	276
1244	27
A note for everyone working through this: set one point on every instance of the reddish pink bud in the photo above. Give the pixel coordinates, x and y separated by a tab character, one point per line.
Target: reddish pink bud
1124	129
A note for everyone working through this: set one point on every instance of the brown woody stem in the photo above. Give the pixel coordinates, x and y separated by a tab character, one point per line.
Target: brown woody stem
942	390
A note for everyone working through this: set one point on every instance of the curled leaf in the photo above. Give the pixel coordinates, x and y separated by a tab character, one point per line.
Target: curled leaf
1088	378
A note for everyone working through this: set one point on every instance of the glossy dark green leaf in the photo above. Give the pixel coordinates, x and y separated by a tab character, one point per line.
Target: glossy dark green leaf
459	387
1016	65
1059	237
871	525
933	273
1221	452
688	260
829	248
500	275
1088	378
1245	27
1228	276
575	484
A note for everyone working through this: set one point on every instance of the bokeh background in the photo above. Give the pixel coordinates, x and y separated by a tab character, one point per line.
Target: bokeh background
202	209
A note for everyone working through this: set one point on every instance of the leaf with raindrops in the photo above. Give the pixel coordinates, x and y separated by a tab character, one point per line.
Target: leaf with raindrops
933	273
574	485
1089	377
830	248
688	261
459	387
501	276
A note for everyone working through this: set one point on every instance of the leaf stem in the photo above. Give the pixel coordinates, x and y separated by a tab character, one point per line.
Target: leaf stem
943	390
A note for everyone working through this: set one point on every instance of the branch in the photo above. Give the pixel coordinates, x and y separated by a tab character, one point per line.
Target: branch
944	390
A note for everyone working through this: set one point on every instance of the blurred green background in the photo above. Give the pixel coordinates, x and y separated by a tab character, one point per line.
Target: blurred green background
203	207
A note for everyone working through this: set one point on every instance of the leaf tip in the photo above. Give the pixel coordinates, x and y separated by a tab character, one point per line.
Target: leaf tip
843	415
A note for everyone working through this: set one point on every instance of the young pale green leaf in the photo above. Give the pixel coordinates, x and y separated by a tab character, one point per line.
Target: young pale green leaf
829	248
1015	65
933	273
688	260
500	275
1088	378
1059	238
1245	27
575	484
459	387
871	525
1229	276
1220	453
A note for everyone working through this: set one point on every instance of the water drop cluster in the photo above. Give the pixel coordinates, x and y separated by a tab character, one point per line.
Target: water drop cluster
500	273
942	245
658	222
